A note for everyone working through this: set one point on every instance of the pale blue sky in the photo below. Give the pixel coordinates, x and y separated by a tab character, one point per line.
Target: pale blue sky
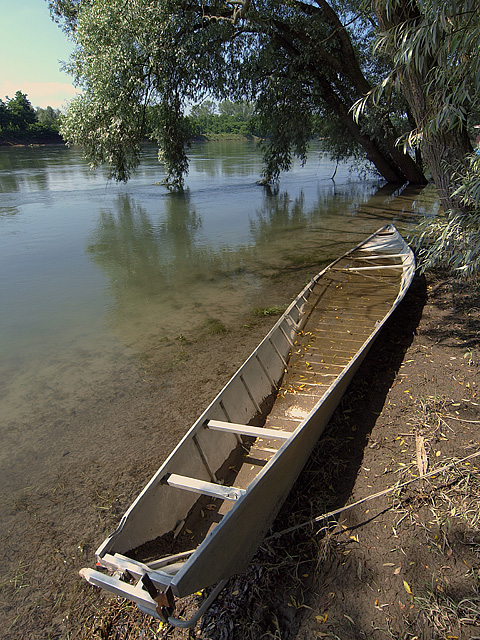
31	45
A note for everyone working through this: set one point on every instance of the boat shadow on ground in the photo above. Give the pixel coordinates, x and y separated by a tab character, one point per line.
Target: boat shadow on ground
268	599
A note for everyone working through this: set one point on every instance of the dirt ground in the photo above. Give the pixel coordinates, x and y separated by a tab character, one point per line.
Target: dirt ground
401	565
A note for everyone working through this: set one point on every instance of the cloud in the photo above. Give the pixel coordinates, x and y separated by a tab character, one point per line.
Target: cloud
41	94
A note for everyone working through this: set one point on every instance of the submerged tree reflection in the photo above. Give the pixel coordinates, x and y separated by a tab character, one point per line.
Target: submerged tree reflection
139	254
172	269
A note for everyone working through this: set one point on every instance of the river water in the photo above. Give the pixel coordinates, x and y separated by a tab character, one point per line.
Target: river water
93	274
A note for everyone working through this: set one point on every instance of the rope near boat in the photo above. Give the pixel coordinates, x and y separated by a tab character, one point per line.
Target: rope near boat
373	496
185	624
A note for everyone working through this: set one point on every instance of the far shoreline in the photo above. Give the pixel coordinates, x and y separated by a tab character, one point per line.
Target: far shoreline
39	141
33	141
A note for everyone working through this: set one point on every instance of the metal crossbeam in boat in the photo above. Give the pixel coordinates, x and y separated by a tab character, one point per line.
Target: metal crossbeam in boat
361	321
325	348
339	327
320	343
313	377
323	368
247	430
340	352
118	562
204	487
362	307
331	350
296	386
380	256
298	389
344	319
375	267
314	355
326	373
135	593
323	331
329	337
386	279
346	324
327	334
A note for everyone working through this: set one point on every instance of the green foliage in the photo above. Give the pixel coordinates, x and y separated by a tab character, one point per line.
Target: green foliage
260	312
241	110
49	117
21	111
203	109
433	47
452	240
22	124
4	116
439	41
233	119
468	181
294	60
220	124
214	326
130	56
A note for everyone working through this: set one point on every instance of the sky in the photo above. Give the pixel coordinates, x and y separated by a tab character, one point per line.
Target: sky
31	48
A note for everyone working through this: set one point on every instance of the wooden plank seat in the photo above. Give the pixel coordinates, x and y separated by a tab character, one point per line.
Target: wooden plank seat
204	487
247	430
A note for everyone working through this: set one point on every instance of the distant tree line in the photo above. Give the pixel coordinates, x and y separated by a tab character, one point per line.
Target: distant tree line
234	119
227	119
21	123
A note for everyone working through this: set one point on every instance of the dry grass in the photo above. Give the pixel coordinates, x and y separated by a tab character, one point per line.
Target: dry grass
442	511
120	620
445	611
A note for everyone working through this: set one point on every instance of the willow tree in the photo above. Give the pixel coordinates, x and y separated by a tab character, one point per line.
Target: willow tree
298	61
434	50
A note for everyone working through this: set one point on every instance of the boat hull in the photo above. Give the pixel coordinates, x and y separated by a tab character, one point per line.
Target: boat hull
307	361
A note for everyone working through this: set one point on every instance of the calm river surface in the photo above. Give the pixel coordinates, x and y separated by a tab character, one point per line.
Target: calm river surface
93	273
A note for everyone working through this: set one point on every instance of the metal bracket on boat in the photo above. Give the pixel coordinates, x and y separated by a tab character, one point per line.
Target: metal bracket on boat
191	622
206	604
165	599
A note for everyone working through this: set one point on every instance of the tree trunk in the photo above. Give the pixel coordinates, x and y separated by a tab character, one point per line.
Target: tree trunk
445	150
391	162
385	165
